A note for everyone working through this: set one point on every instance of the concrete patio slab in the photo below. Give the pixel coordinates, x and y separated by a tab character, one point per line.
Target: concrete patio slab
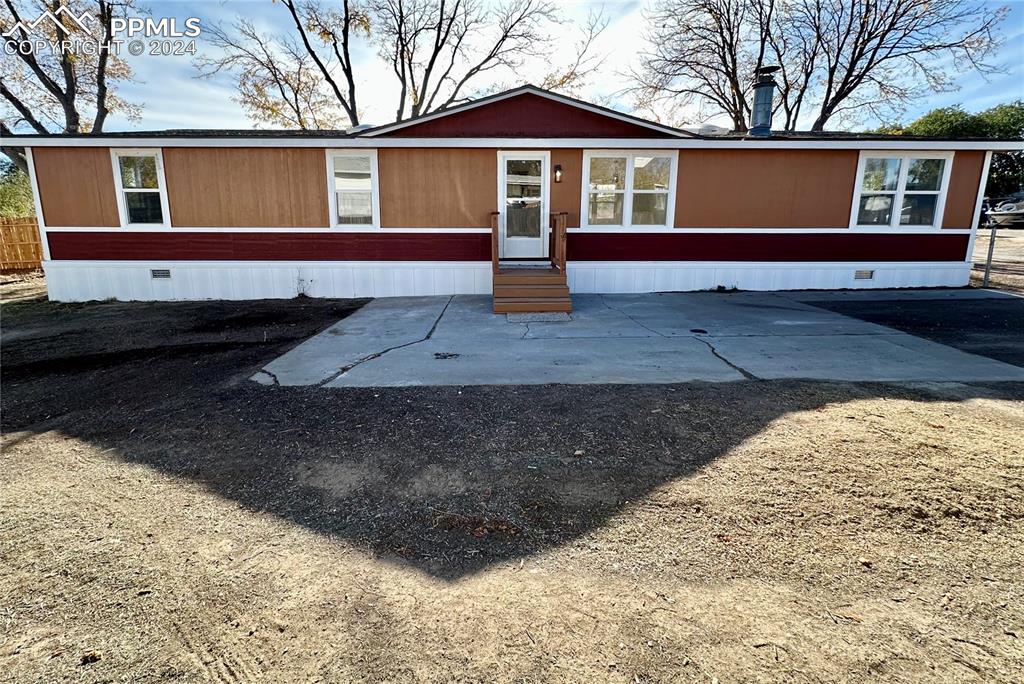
898	295
680	314
883	358
650	338
382	324
535	362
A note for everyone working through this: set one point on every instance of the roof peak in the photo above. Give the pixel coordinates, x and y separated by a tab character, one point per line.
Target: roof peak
529	88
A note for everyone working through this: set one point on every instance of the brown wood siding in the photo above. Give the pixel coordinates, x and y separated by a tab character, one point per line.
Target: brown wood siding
76	186
962	195
765	188
239	187
437	188
565	196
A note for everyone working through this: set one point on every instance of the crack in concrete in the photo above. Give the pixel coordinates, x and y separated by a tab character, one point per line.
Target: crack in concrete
894	333
612	308
739	369
377	355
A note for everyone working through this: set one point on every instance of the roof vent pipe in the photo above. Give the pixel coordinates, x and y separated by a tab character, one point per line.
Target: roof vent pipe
764	93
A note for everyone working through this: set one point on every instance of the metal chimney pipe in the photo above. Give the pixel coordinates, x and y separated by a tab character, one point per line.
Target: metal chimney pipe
764	94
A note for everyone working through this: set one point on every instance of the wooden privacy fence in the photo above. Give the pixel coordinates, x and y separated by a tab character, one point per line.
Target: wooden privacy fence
19	245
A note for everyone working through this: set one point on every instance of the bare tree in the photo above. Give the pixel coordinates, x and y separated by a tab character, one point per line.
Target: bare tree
700	56
851	58
302	79
277	81
571	78
437	47
335	30
873	53
66	90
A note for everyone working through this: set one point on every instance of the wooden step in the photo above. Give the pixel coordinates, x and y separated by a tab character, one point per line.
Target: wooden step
532	304
529	276
517	290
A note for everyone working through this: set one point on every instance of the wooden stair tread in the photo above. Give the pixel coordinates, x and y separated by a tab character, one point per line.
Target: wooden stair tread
533	305
562	298
538	278
542	289
531	290
530	273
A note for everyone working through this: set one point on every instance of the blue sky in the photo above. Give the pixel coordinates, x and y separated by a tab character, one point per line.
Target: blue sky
174	98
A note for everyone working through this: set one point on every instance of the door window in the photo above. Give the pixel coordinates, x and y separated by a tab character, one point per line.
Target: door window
523	197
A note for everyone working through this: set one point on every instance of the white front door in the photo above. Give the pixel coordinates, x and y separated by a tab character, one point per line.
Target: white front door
523	200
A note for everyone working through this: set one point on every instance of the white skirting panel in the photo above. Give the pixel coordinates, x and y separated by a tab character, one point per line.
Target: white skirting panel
687	276
77	281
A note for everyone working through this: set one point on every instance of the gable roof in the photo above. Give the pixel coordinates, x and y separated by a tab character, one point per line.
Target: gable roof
527	111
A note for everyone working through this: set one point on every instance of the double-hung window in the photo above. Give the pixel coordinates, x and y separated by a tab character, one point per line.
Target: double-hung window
901	190
352	181
629	189
141	188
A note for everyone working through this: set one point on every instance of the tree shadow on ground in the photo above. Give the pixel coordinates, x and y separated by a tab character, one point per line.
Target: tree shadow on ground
448	480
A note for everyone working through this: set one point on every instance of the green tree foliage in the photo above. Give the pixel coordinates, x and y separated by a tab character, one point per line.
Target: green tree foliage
1005	121
15	192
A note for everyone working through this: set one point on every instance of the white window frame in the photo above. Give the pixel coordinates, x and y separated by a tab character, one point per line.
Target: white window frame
901	191
332	197
115	154
628	191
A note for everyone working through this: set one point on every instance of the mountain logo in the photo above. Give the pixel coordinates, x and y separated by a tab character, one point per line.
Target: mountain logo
55	17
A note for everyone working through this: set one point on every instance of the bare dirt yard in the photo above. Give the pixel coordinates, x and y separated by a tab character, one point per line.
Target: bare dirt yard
1007	259
163	518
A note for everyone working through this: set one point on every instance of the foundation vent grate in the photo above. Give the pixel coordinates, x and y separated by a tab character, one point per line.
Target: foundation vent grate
864	275
160	273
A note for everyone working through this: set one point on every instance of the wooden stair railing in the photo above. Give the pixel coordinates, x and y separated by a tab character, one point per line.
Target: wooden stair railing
495	216
558	240
542	288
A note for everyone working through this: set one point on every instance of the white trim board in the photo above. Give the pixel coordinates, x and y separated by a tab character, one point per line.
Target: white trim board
236	280
682	276
77	281
519	143
978	201
591	229
40	219
618	230
263	229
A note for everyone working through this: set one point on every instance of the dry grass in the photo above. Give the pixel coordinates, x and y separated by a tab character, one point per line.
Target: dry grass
163	518
873	537
1007	260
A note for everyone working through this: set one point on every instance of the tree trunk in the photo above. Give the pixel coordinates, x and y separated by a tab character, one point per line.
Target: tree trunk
17	156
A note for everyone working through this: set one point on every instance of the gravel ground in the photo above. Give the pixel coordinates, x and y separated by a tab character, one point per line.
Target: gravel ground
1007	260
164	518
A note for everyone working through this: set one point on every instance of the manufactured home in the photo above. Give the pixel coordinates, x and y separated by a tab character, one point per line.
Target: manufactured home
526	195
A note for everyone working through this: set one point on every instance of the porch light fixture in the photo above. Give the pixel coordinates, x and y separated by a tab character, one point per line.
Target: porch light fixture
558	173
